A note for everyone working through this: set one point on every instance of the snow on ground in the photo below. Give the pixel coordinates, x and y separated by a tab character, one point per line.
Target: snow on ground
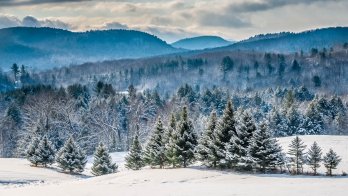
19	172
189	181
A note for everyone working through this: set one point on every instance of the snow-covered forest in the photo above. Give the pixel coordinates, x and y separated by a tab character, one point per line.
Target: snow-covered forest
297	94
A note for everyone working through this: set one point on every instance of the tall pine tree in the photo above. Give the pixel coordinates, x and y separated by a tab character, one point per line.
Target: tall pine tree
278	123
32	151
264	151
314	157
45	152
331	160
155	149
313	122
171	148
223	134
187	140
134	159
295	120
71	158
239	143
205	148
297	154
102	163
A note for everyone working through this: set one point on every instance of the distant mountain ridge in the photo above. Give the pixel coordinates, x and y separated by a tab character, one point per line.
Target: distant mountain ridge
45	48
48	47
201	42
287	42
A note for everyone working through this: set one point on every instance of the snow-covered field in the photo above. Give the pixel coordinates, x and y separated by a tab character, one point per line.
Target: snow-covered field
189	181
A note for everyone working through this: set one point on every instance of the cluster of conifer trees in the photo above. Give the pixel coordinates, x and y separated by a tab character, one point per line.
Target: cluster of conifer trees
70	157
313	157
225	143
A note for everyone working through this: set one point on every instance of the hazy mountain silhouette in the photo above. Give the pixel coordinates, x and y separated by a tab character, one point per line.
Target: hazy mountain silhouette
201	42
48	47
286	42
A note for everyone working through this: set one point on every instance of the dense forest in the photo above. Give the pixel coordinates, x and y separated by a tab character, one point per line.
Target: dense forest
321	70
295	94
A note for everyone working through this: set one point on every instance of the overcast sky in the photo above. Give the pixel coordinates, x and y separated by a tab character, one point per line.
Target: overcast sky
176	19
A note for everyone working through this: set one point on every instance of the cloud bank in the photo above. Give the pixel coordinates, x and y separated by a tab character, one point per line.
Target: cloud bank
9	3
30	21
176	19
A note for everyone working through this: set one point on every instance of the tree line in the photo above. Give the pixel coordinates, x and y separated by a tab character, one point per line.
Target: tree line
227	143
100	113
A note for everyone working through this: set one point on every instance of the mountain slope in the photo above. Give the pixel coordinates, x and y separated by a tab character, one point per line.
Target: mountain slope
201	42
293	42
47	47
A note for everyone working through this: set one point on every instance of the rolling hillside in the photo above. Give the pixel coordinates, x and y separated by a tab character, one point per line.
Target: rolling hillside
293	42
201	42
46	47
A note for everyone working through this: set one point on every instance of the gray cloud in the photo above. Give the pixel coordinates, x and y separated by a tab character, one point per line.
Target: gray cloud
168	34
173	19
115	25
56	24
268	4
30	21
161	20
34	2
9	21
222	20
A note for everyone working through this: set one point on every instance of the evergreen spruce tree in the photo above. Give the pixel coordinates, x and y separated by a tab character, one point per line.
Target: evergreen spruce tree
278	124
205	148
45	152
295	120
32	151
134	159
280	161
171	148
154	151
187	140
297	154
264	150
170	129
314	157
331	160
313	123
71	158
239	143
289	100
102	163
223	134
15	70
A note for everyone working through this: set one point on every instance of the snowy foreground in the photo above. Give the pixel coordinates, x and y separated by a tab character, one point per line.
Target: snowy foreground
18	178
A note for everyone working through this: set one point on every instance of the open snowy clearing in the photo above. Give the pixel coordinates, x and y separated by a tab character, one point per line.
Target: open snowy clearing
190	181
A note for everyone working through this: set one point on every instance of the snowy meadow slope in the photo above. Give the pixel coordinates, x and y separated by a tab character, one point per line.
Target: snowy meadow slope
189	181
